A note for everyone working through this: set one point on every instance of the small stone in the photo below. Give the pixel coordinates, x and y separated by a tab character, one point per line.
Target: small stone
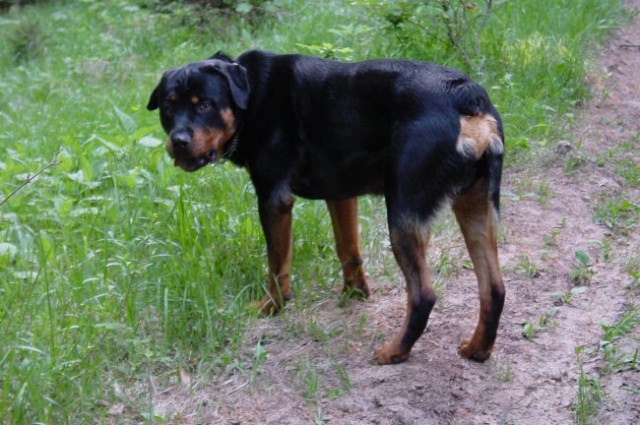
563	147
116	410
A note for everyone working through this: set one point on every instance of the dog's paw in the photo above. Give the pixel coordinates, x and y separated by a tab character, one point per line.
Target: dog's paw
471	351
358	291
267	306
390	354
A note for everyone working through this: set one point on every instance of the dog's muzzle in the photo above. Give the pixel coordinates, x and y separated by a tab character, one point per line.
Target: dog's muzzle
181	141
181	148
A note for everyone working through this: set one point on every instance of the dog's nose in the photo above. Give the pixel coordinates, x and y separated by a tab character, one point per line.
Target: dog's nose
180	139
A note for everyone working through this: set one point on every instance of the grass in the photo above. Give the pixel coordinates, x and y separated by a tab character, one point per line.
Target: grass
618	213
620	354
113	264
545	322
527	265
588	395
619	346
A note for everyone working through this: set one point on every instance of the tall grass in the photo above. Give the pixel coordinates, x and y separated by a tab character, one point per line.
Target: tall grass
115	265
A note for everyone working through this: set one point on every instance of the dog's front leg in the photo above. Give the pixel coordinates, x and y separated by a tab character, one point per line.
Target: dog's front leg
275	217
344	217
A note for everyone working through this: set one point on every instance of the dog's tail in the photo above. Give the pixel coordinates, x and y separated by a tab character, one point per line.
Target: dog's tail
494	168
494	156
481	136
484	146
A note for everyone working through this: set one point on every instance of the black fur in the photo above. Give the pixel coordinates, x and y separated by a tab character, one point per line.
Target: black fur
323	129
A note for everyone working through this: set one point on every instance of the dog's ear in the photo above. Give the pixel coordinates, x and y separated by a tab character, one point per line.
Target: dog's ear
222	56
153	99
236	76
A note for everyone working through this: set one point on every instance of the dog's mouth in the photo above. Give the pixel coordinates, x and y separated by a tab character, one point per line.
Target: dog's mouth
188	163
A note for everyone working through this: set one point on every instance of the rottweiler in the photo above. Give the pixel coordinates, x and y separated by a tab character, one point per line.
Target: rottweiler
418	133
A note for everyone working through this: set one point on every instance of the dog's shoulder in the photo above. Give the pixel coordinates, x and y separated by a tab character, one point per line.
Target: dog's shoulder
271	67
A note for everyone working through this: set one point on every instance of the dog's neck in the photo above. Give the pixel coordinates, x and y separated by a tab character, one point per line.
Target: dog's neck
232	146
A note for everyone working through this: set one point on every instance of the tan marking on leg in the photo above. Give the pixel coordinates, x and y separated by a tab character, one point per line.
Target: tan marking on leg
344	218
409	243
477	221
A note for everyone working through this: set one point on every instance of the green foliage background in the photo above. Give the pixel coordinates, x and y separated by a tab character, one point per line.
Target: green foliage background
113	264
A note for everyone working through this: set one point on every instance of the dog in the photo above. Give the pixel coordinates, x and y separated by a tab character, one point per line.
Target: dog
418	133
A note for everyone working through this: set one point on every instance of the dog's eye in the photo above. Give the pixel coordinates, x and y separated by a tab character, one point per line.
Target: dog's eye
204	106
168	106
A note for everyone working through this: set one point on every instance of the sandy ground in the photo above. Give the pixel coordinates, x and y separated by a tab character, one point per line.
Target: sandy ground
316	366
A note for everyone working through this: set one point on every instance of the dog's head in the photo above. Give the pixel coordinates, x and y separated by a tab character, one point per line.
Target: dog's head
198	106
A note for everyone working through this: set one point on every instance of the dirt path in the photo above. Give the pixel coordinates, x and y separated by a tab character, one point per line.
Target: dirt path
317	364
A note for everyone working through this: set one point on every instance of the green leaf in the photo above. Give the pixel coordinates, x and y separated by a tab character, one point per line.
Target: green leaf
582	257
578	290
128	124
244	8
149	142
7	249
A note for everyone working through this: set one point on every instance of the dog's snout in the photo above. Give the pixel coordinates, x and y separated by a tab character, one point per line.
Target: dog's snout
180	139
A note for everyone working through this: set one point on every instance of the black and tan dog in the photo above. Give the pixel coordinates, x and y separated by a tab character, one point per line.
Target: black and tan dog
417	133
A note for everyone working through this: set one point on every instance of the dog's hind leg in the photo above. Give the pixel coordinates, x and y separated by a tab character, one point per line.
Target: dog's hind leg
344	217
409	239
477	217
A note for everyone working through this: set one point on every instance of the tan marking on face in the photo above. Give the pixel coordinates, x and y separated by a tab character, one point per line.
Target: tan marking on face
173	98
207	140
169	147
477	134
195	100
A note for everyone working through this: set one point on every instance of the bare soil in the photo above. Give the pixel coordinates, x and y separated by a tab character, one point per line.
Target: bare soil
317	367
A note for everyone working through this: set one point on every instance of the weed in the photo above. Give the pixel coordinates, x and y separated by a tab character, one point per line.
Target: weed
346	298
605	250
306	379
589	393
581	273
529	330
574	162
544	323
26	41
632	267
635	279
543	193
345	382
622	155
439	287
528	266
343	376
446	265
619	214
560	298
321	333
630	172
329	51
504	371
620	359
551	240
321	418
